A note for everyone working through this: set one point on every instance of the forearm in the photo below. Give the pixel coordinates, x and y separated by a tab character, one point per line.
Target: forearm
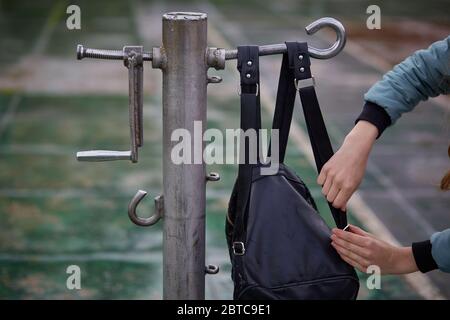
404	261
424	74
376	115
362	137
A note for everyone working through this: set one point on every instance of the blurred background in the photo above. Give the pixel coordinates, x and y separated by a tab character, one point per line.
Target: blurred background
56	212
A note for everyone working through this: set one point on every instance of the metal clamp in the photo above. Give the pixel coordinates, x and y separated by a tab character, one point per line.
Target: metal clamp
145	222
133	57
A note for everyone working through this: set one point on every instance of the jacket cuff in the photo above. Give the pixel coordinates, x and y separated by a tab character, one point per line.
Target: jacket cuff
422	255
376	115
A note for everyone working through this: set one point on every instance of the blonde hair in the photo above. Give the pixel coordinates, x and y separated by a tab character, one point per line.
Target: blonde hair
445	182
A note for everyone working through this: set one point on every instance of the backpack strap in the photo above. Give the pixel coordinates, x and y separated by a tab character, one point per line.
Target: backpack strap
248	66
295	75
284	106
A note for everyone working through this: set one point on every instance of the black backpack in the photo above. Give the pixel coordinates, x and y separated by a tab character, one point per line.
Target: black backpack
279	245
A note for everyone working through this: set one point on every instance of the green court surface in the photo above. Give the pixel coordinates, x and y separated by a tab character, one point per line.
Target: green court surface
55	211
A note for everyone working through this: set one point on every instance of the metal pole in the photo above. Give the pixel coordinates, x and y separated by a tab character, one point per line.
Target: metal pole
184	101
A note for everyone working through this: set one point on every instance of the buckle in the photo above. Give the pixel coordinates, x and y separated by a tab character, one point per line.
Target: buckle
310	82
238	248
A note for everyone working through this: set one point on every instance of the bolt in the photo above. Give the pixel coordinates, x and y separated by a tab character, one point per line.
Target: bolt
83	52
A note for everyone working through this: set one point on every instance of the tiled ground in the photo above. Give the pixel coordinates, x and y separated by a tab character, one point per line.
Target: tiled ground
56	211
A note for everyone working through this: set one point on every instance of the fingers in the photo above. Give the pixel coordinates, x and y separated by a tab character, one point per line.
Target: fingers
359	240
332	193
363	252
355	260
341	199
327	185
359	231
332	189
353	263
323	175
356	247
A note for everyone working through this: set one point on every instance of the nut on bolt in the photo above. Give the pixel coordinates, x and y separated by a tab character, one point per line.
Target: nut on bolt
215	58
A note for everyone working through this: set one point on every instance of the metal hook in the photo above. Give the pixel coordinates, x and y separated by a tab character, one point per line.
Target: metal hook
211	269
337	46
145	222
216	57
213	176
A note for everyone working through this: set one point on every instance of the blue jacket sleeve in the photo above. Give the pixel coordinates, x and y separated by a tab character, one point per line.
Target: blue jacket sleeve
440	249
424	74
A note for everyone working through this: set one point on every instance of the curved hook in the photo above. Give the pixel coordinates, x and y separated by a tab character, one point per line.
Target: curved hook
337	46
213	176
145	222
211	269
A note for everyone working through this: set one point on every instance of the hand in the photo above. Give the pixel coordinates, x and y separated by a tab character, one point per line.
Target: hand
342	174
361	250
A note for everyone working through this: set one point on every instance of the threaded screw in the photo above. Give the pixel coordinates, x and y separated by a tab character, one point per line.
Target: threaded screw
83	52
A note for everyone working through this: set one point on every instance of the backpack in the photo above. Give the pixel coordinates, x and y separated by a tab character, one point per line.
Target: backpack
279	245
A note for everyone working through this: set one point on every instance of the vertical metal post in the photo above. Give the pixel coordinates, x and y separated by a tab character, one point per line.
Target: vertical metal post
184	101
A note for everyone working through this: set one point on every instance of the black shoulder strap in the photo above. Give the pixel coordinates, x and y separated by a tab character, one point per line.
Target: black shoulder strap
248	66
296	75
284	106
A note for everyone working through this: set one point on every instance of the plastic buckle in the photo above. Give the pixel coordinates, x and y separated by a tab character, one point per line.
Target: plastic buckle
238	248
